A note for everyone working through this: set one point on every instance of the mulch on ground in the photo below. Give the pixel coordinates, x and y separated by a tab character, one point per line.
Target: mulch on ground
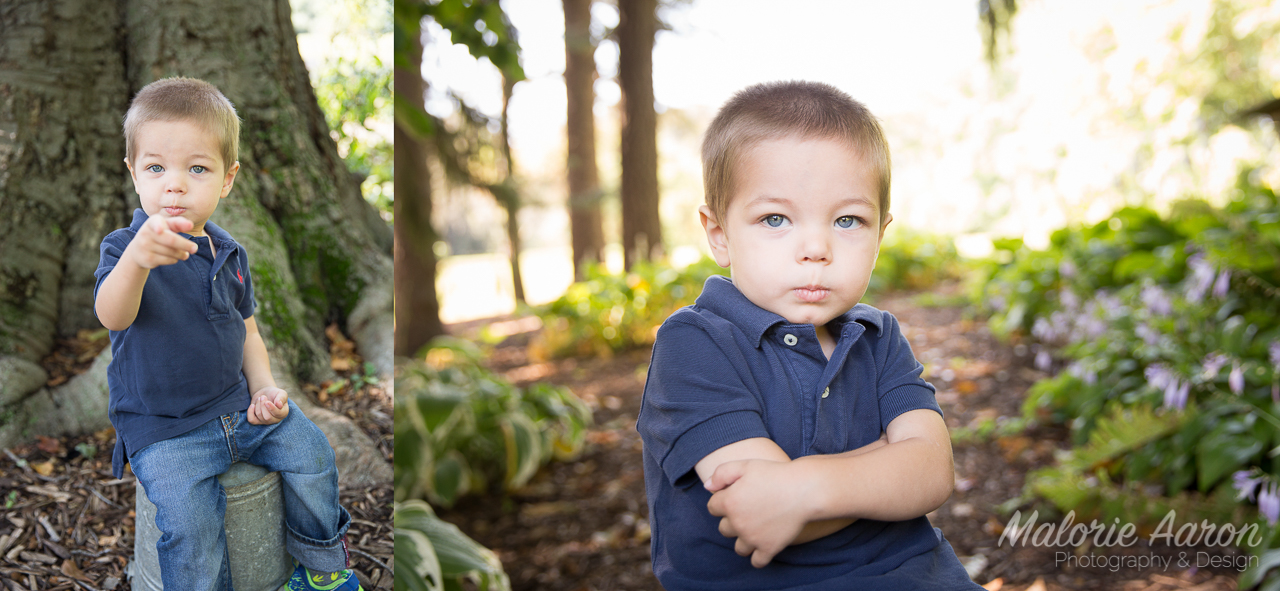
583	525
67	523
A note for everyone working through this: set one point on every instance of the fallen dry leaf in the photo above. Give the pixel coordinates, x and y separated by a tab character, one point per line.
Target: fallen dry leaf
47	445
43	468
70	569
994	584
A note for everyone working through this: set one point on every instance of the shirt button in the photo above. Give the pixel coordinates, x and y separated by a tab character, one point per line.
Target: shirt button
790	340
826	392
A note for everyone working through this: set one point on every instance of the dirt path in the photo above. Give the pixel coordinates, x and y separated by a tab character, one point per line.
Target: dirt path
583	525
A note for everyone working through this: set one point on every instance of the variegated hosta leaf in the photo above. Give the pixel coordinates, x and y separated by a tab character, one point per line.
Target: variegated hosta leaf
458	555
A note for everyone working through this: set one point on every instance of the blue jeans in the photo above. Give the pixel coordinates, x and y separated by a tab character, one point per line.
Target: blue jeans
180	476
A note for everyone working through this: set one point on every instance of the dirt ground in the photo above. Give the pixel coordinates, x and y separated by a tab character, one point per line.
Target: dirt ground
583	525
67	524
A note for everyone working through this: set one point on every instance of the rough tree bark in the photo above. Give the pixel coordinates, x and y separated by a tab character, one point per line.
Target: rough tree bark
641	226
67	71
417	307
586	226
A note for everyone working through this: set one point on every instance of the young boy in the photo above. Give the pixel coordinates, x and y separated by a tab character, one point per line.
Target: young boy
191	385
786	427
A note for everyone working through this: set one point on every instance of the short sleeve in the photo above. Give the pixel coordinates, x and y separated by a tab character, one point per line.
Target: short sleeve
109	254
900	386
695	400
247	304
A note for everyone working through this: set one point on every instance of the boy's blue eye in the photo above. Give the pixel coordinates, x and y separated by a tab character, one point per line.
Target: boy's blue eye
774	221
848	221
154	168
198	169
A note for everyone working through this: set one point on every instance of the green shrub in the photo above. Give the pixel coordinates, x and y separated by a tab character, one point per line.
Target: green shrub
911	259
1169	330
609	313
461	428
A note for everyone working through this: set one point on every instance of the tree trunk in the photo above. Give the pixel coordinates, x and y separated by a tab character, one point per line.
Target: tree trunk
71	67
510	197
585	222
641	227
417	308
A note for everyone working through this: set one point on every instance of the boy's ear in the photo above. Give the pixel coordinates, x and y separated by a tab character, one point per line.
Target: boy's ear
133	174
716	237
230	179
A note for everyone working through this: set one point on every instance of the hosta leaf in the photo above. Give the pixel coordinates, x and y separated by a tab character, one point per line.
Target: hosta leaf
524	449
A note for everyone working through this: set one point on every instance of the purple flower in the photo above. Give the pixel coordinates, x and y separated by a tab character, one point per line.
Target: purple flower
1222	284
1175	394
1213	364
1159	376
1043	360
1201	277
1067	268
1043	330
1156	300
1269	503
1236	379
1094	327
1245	484
1149	335
1110	303
1274	351
1069	300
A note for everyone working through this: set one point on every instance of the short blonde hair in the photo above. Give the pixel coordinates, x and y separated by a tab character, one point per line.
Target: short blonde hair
775	110
184	99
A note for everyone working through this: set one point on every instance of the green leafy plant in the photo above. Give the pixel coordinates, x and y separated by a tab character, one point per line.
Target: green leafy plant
432	554
912	259
612	312
461	428
355	95
1165	331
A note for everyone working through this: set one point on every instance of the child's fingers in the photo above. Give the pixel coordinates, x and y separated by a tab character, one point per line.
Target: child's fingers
761	558
165	231
179	224
725	474
726	529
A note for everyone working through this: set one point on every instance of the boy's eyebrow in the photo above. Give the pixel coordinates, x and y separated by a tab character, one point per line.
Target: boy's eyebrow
766	198
196	155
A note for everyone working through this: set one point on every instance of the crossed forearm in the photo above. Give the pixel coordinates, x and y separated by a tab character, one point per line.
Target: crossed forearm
768	502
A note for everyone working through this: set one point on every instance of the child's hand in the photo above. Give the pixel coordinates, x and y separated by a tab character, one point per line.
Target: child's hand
270	405
758	503
157	242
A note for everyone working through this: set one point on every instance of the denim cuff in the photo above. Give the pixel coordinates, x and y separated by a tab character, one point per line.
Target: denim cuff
329	556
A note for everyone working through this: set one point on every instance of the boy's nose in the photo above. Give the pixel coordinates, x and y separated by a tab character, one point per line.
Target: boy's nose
175	185
815	247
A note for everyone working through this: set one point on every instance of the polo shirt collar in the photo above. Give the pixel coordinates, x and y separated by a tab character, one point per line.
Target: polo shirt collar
217	234
721	297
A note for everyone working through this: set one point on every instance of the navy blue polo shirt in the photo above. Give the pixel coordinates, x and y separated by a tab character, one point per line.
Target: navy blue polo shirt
179	364
724	370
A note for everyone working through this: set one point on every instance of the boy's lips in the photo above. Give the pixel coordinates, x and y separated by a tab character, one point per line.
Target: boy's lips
811	293
174	211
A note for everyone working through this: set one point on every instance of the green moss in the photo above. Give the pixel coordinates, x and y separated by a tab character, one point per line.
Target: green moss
273	311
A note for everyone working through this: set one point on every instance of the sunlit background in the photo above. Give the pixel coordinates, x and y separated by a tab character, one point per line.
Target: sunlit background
347	46
1087	110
